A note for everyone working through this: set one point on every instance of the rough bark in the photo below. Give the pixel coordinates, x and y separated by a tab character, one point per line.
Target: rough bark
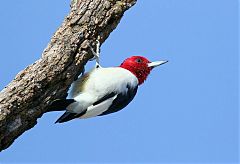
27	97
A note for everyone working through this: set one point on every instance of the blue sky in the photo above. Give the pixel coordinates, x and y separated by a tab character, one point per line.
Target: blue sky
187	110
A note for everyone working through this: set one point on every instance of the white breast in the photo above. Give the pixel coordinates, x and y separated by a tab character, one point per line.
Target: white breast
114	79
100	82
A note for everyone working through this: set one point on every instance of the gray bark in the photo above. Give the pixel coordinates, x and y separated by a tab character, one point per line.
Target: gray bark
27	97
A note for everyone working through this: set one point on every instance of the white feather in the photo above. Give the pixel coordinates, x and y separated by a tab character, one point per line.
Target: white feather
101	82
96	110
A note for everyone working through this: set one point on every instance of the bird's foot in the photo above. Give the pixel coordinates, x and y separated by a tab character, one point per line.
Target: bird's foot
96	53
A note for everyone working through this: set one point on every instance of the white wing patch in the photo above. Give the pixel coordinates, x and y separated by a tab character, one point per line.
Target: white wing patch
98	109
98	84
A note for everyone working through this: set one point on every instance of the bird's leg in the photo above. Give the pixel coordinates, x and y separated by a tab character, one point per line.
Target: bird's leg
97	53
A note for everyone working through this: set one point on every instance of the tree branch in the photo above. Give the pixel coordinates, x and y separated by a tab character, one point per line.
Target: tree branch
27	97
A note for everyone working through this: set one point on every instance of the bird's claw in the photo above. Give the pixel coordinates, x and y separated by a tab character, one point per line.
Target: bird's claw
96	53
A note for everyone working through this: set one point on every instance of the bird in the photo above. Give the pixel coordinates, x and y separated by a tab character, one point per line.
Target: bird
104	90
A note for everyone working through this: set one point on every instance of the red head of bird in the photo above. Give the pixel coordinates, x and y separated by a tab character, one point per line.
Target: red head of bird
140	67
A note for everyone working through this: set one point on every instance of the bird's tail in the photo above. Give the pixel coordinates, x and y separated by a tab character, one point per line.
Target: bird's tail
67	116
60	104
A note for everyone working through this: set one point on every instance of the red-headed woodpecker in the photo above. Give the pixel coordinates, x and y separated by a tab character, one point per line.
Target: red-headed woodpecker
104	90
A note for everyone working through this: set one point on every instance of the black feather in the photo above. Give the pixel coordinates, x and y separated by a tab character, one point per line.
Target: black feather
67	116
108	96
60	104
121	101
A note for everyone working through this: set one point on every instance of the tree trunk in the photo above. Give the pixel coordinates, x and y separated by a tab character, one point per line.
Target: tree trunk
27	97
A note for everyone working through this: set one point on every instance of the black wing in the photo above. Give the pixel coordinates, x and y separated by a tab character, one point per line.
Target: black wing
121	101
67	116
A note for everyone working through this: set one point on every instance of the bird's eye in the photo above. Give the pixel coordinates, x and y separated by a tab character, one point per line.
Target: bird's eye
138	60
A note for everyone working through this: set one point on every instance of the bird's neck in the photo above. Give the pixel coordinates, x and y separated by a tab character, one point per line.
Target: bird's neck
141	74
